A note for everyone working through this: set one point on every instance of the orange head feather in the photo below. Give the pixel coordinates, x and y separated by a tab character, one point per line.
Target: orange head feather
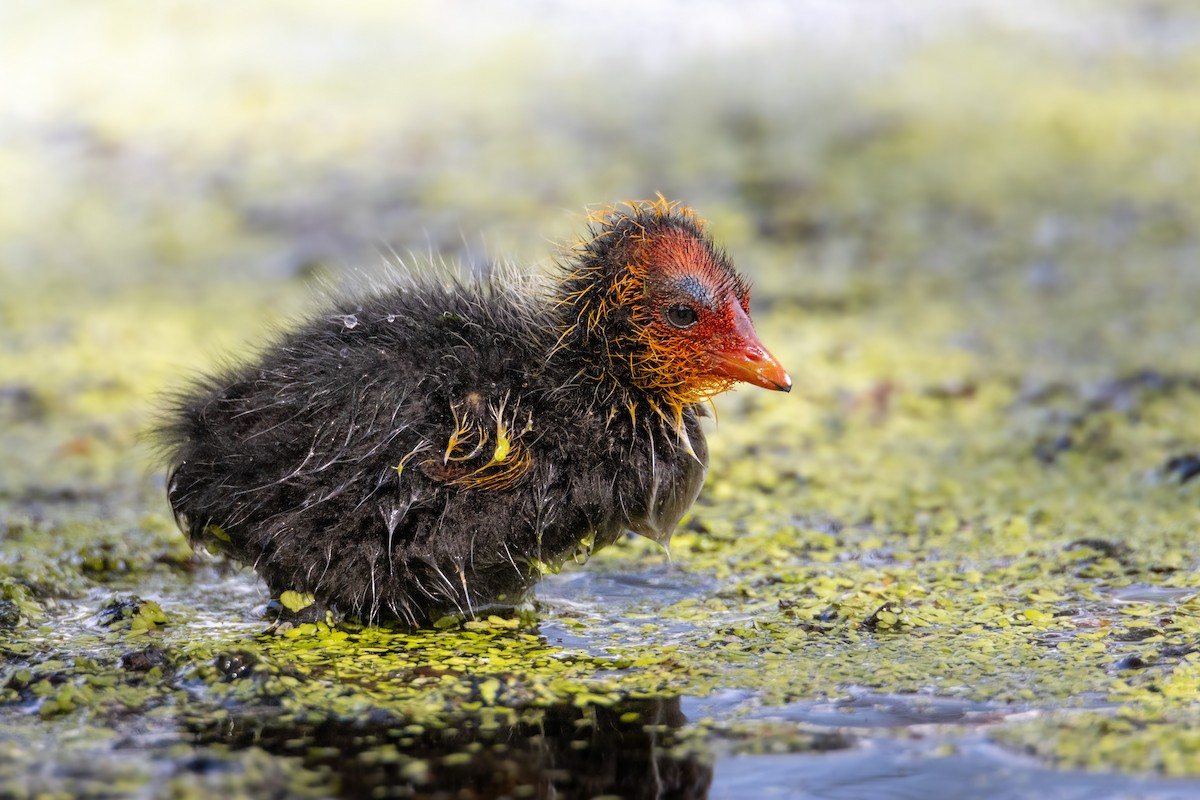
649	302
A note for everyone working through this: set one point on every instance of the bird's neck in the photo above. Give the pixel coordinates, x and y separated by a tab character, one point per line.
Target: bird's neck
601	339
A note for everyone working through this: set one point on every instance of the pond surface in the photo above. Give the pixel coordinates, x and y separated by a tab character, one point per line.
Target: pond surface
958	560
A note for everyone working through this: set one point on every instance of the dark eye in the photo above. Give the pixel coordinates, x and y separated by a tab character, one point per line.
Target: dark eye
681	316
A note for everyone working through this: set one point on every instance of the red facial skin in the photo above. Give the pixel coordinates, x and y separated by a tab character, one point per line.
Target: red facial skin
720	346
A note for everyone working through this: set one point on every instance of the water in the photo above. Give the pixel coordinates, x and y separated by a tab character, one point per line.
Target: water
917	768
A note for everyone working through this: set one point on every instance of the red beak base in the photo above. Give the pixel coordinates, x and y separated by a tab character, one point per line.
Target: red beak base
747	360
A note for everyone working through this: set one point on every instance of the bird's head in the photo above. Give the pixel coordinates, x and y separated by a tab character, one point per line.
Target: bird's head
650	302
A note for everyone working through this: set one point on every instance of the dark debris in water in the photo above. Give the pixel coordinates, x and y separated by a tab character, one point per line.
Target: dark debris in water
1182	468
234	665
130	611
145	659
888	617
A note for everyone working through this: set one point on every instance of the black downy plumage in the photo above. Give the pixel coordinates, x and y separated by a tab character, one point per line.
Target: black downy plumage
434	448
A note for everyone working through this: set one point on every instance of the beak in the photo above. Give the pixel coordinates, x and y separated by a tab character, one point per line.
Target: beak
746	359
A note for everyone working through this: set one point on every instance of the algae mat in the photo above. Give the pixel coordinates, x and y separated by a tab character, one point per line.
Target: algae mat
958	558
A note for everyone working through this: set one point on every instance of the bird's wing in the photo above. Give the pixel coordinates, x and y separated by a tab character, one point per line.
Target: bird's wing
486	447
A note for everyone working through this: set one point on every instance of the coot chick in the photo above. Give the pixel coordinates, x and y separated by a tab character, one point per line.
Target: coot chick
436	447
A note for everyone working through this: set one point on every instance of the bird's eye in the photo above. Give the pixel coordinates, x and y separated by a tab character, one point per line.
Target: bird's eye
681	316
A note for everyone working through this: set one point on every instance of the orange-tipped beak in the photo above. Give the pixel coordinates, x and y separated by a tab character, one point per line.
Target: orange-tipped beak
747	360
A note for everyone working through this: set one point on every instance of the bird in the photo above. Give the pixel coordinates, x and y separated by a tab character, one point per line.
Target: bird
433	447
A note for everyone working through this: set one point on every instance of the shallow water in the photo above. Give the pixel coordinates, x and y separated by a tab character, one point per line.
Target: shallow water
615	605
925	769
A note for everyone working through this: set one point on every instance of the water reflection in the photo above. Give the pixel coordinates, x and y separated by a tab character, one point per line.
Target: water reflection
628	750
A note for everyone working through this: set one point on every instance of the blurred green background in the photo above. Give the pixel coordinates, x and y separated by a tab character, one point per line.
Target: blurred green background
973	233
176	175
